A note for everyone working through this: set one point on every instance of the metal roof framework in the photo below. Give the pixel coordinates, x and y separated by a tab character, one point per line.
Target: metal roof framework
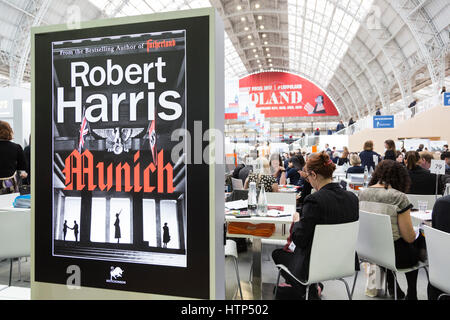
364	54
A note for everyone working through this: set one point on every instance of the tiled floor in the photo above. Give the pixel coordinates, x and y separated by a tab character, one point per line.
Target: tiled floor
19	290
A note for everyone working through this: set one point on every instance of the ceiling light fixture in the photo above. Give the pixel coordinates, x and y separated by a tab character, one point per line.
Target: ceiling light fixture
246	28
242	19
264	35
257	5
267	49
259	17
268	54
256	56
249	36
254	50
265	42
252	43
261	27
239	7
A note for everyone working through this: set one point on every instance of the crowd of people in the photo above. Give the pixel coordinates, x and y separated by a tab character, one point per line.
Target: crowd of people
396	173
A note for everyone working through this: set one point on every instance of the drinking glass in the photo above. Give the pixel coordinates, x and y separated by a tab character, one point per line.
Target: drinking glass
423	205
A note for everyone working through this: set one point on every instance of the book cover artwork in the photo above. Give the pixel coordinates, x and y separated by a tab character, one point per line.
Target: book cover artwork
117	194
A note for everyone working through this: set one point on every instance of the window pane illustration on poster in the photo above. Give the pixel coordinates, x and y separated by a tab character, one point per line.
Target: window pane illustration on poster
149	215
72	207
99	214
169	216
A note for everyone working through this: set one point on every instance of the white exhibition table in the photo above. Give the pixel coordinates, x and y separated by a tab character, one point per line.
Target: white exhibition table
6	203
279	234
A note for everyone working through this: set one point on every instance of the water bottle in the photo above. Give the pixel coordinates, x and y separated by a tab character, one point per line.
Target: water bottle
447	190
366	176
251	207
262	202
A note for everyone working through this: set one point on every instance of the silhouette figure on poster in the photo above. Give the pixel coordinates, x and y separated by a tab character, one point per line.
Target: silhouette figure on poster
166	235
117	234
75	230
65	226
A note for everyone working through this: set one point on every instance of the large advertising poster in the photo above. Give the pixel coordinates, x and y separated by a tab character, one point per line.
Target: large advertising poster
282	94
106	150
116	202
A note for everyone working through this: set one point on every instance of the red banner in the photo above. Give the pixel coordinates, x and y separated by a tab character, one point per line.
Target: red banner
282	94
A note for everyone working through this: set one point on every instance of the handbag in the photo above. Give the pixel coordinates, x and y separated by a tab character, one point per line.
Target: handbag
24	188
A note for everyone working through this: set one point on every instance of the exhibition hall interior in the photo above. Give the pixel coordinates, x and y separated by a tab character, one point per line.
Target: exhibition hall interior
225	149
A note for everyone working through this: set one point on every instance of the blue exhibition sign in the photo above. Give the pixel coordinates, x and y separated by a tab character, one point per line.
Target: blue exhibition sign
447	99
383	122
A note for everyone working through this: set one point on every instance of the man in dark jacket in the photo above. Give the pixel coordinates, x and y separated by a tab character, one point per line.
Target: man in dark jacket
424	182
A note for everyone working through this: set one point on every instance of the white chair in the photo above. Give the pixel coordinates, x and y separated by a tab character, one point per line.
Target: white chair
278	198
281	198
332	255
438	243
415	198
231	251
376	245
15	240
237	184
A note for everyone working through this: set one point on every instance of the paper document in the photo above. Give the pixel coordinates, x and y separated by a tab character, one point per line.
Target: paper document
236	205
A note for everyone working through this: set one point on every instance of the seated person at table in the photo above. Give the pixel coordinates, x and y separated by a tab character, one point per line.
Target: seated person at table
440	221
355	163
422	181
399	157
277	169
292	172
425	162
387	195
330	204
265	177
343	158
335	157
446	156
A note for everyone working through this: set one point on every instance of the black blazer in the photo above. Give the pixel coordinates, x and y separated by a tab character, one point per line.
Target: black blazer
441	214
329	205
423	182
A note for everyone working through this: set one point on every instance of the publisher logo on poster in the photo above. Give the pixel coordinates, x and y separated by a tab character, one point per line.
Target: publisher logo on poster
114	273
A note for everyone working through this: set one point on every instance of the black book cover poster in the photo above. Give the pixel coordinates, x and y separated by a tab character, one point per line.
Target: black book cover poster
117	194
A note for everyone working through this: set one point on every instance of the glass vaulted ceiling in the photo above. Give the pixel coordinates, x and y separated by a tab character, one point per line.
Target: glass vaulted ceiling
320	32
120	8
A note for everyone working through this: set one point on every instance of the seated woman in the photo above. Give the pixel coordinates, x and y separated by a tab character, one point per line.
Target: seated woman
399	157
330	204
11	161
277	169
343	158
386	195
355	162
264	177
422	181
294	165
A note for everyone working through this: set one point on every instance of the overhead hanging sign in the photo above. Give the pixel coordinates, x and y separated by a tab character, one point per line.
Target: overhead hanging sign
446	98
282	94
383	122
112	198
